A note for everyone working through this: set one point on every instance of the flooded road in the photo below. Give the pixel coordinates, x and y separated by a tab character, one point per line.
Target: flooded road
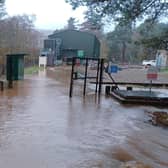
40	127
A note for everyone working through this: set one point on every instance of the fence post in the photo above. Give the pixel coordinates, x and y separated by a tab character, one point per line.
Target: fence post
72	73
86	69
97	75
101	75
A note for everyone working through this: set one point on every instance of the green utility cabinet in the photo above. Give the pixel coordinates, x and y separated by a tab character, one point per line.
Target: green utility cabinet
15	67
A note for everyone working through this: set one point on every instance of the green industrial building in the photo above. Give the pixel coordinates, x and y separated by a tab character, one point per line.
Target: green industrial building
63	45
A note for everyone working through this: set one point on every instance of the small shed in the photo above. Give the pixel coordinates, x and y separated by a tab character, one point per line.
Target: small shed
63	45
15	66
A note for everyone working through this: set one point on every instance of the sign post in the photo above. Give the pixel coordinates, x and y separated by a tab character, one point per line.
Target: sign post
152	74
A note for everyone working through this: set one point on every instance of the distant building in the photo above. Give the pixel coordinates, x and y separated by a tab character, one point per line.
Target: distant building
162	58
43	35
64	45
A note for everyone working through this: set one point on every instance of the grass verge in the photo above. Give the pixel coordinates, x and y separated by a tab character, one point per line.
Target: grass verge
32	70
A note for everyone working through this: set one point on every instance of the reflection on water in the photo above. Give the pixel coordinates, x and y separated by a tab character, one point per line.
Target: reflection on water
40	127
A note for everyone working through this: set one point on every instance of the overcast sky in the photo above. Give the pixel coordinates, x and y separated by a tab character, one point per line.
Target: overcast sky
50	14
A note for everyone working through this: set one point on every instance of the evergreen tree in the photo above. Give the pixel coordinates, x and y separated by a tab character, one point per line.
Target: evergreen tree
72	23
2	9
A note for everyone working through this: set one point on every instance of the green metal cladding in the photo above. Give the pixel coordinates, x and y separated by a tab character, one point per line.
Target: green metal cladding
75	43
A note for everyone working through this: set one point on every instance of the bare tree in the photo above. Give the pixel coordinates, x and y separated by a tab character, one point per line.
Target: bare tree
17	34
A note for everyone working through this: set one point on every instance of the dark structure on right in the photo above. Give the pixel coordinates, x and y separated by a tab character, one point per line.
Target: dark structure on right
63	45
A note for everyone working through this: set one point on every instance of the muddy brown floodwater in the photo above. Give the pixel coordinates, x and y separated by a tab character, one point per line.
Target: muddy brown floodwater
40	127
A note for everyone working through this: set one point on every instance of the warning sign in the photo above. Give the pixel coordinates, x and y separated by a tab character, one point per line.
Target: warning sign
152	73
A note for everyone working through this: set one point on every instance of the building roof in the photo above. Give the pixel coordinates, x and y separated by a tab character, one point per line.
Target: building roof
71	30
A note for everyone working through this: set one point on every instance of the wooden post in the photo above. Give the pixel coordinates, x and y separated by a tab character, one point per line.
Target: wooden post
2	85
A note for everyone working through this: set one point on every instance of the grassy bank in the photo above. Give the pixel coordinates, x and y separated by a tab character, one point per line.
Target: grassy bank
165	70
32	70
